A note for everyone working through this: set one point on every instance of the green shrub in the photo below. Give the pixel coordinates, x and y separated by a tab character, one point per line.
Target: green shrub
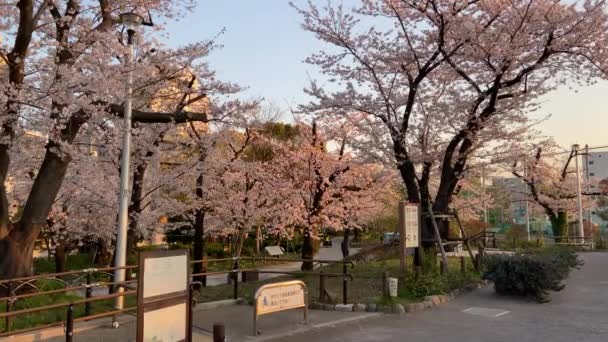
532	274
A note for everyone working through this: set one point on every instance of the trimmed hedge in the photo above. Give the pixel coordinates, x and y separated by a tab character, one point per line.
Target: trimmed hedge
531	274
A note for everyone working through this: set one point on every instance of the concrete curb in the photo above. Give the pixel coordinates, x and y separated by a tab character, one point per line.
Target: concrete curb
427	303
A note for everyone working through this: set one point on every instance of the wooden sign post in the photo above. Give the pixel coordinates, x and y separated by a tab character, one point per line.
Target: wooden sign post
163	298
409	230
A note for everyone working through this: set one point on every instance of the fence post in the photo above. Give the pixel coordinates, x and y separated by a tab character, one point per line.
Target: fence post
321	287
219	332
344	283
88	293
236	279
69	324
8	321
463	266
385	289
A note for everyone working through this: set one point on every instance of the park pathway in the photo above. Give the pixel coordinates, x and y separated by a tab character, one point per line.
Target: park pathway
578	313
333	253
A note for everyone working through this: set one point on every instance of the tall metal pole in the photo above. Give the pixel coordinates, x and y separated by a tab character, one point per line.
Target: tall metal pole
579	199
125	166
526	197
588	181
483	192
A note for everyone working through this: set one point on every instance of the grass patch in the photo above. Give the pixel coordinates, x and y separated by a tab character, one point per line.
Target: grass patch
367	285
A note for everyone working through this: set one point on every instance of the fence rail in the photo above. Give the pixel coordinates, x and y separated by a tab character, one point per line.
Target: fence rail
83	282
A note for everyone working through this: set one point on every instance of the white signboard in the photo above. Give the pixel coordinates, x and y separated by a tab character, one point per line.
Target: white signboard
277	297
166	324
163	304
165	275
274	250
412	225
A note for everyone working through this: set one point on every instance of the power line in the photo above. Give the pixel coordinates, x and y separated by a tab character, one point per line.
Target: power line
546	155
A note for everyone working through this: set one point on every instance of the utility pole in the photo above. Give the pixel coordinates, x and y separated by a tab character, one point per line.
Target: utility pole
579	200
527	205
483	194
588	179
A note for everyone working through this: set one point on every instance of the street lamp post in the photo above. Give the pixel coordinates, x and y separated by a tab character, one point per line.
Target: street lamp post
131	21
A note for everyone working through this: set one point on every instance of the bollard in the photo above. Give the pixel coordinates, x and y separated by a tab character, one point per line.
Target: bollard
463	265
219	332
88	294
69	324
442	267
321	287
236	279
344	284
385	289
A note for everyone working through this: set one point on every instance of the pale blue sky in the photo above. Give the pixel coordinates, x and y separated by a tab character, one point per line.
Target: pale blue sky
264	48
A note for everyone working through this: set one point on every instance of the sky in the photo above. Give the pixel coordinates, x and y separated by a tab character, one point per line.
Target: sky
264	48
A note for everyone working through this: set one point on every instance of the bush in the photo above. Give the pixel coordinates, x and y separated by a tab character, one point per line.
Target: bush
531	275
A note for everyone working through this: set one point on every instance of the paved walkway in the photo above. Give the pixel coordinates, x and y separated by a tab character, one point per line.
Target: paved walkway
325	253
578	313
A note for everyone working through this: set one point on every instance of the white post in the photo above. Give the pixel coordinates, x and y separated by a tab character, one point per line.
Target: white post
579	199
125	163
483	194
526	198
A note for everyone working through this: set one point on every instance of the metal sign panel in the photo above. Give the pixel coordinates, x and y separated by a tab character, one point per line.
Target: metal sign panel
164	275
163	304
412	225
277	297
166	324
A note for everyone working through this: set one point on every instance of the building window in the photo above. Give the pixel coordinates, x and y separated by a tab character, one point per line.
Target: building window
591	174
591	162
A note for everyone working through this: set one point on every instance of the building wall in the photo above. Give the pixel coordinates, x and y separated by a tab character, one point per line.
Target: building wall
595	169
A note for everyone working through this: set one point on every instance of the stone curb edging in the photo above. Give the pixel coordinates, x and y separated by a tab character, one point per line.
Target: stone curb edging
427	303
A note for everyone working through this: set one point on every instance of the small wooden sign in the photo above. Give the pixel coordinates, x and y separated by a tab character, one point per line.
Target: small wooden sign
409	229
277	297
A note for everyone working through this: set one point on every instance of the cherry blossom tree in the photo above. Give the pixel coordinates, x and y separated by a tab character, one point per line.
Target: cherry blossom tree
551	184
430	84
326	185
64	66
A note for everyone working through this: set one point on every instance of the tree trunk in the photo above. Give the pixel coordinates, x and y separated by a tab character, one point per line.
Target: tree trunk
103	255
559	225
16	254
345	244
308	252
198	252
60	258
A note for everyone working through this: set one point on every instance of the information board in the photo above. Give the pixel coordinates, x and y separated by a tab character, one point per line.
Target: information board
163	304
277	297
412	225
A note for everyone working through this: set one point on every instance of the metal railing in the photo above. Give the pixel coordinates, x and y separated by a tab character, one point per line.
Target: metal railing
84	282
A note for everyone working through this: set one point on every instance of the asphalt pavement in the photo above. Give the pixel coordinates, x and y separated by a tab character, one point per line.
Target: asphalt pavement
578	313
